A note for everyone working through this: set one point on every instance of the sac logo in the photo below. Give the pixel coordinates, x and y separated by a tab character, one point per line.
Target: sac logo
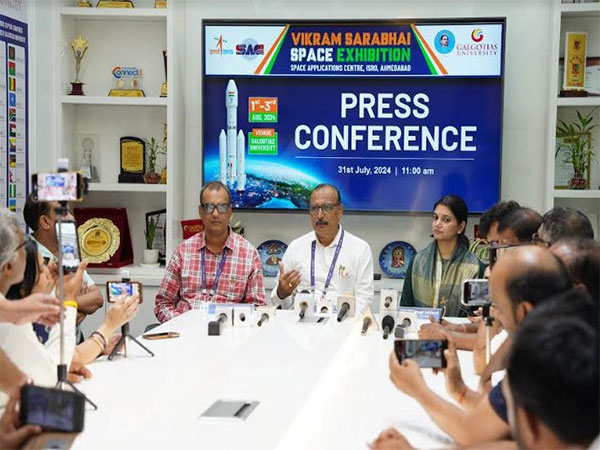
126	72
250	49
477	35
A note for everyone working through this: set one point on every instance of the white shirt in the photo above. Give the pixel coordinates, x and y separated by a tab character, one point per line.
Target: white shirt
353	274
37	361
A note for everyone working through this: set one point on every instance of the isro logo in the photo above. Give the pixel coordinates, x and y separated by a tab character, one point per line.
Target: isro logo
219	50
250	49
477	35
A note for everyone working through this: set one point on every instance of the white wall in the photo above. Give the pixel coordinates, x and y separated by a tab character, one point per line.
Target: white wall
525	102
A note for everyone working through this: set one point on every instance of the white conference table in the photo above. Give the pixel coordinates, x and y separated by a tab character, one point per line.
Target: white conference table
318	386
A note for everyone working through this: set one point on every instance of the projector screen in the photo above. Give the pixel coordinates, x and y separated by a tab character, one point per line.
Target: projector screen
396	114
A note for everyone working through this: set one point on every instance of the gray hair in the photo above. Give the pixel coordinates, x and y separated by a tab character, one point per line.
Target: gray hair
9	237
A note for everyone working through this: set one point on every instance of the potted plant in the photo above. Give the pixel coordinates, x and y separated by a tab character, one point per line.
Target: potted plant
152	177
577	145
150	254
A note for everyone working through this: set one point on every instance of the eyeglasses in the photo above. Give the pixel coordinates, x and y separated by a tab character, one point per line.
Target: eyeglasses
326	208
537	240
210	207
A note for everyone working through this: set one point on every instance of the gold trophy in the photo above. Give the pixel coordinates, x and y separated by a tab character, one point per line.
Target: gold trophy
161	4
115	4
84	4
163	88
80	47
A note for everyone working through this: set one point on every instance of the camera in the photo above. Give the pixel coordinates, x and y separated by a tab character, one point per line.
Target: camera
114	289
52	409
475	293
426	353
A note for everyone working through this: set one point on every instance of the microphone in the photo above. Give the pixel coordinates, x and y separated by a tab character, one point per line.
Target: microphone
214	327
264	313
402	327
346	305
343	310
264	318
388	300
303	308
366	324
387	323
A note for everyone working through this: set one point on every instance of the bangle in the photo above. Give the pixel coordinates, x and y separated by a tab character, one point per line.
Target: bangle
461	396
71	303
98	343
101	337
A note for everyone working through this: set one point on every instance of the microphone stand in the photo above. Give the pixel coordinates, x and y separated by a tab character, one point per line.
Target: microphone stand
62	369
124	335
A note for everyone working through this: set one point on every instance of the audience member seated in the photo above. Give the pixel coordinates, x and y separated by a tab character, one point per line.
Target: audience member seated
19	342
215	265
434	276
489	220
38	279
41	217
560	223
353	273
582	258
517	227
551	386
523	278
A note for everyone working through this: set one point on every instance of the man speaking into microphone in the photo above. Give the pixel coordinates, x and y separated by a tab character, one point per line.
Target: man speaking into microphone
328	260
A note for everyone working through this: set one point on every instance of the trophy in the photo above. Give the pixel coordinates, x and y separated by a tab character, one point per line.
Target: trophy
127	82
162	4
115	4
80	47
84	4
163	88
87	169
133	160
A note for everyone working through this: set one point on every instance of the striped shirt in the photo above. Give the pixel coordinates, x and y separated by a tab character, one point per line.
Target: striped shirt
181	288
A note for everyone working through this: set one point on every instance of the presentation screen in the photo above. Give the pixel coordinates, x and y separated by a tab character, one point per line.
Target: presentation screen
396	114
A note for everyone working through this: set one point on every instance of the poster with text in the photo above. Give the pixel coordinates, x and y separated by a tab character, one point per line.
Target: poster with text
395	114
14	161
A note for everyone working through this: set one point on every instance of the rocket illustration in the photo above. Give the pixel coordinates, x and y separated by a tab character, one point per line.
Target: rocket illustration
232	145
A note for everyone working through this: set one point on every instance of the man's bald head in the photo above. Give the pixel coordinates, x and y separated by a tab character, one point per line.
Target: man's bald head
524	277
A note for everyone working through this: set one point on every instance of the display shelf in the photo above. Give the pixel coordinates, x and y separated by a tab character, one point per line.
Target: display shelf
136	14
113	101
580	9
578	101
127	187
570	193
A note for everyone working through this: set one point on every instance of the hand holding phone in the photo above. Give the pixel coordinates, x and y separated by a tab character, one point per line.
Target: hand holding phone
115	289
52	409
426	353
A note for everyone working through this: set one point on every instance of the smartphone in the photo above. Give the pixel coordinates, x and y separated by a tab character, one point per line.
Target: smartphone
114	289
52	409
57	186
426	353
67	230
475	292
165	335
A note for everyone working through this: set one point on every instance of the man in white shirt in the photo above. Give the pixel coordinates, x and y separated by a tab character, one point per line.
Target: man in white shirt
328	260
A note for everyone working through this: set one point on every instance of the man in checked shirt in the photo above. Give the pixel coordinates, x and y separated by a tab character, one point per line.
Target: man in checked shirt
216	265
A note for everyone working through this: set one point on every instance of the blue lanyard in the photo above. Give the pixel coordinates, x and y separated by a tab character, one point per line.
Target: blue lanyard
331	267
217	275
